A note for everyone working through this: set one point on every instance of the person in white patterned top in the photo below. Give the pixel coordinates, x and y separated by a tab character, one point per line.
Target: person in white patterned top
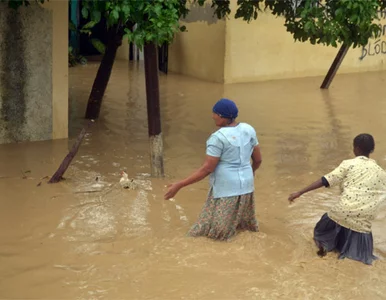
346	228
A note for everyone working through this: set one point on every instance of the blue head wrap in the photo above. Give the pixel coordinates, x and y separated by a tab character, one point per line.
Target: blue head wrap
226	108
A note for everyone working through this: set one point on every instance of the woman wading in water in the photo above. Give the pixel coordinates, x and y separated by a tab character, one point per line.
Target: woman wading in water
230	205
346	228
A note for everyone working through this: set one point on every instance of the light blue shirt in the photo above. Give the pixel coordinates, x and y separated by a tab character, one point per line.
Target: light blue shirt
233	175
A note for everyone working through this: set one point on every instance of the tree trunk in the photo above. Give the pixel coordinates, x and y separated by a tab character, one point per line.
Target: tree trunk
103	75
335	66
58	176
131	47
153	110
131	51
163	58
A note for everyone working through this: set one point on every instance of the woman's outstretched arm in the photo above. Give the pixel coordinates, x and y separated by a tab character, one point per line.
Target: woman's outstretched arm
207	167
317	184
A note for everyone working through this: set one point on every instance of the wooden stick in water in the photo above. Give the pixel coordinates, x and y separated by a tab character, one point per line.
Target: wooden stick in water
58	176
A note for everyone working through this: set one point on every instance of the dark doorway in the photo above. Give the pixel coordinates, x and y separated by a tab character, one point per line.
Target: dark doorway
99	31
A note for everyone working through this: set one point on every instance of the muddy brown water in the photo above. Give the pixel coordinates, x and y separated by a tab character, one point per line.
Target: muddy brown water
89	239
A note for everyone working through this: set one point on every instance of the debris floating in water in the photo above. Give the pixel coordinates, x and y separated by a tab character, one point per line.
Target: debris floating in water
126	182
133	184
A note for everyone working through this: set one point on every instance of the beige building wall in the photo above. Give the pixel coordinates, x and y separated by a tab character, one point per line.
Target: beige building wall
199	52
264	50
259	50
34	72
123	50
60	102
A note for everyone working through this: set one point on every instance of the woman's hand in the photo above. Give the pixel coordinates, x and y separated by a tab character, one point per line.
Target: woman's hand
294	196
172	190
208	167
317	184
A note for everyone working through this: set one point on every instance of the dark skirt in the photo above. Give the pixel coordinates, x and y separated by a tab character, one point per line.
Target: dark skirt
330	236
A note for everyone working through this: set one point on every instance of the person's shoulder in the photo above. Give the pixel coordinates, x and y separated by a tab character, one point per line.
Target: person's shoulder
377	166
247	127
347	163
216	134
363	162
215	137
350	160
378	170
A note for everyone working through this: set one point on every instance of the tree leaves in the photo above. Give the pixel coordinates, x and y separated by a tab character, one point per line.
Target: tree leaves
327	22
247	9
98	45
332	22
157	21
85	12
15	4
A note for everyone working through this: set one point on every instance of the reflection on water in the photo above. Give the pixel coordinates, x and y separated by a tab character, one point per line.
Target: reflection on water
87	238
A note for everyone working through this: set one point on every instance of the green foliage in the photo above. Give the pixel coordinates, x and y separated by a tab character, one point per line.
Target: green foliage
74	58
157	20
15	4
98	45
248	9
86	29
329	22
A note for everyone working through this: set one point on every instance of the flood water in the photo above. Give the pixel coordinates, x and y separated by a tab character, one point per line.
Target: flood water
89	239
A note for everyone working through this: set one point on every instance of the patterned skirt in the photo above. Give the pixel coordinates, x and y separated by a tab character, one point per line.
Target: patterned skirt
221	218
330	236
